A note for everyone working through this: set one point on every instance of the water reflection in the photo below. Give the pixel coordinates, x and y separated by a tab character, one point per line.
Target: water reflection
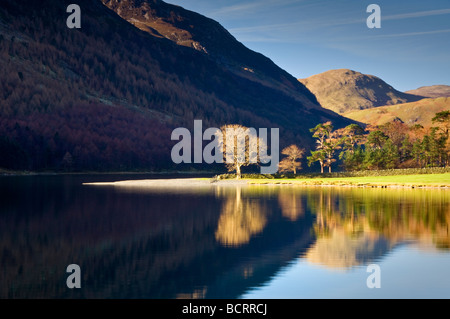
339	250
240	219
291	203
357	226
216	243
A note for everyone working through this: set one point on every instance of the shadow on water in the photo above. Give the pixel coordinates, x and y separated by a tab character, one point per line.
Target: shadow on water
214	243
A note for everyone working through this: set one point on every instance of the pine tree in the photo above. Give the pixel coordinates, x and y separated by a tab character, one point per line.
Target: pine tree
327	143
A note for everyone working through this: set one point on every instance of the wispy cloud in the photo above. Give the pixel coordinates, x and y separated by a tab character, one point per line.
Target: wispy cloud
419	14
303	25
269	39
264	39
408	34
316	24
246	8
266	27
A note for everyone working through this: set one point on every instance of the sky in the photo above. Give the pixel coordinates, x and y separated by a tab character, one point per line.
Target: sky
307	37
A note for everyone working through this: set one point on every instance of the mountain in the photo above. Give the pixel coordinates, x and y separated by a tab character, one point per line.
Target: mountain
433	91
345	90
108	95
190	29
420	112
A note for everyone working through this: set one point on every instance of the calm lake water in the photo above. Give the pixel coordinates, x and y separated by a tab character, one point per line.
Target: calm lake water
220	242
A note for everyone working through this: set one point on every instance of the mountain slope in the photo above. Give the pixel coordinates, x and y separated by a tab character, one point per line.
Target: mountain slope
345	90
433	91
205	35
420	112
107	96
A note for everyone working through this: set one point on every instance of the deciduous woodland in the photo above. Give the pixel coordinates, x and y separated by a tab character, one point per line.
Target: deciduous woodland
107	96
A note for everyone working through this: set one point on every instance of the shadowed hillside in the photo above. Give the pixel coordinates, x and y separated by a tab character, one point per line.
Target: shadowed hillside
190	29
114	89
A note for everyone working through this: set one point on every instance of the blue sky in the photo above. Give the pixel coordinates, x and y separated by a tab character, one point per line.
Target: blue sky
306	37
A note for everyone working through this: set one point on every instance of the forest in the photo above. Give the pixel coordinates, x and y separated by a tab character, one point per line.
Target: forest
104	96
388	146
69	140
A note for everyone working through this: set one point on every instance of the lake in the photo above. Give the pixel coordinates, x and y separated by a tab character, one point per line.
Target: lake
233	241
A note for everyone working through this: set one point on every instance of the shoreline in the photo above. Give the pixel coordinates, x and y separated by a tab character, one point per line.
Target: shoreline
350	185
180	179
170	183
55	173
206	182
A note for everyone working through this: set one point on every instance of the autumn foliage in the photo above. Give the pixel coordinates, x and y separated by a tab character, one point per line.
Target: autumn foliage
388	146
89	136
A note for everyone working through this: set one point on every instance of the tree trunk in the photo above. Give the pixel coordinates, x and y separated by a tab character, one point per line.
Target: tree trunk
329	169
321	167
238	171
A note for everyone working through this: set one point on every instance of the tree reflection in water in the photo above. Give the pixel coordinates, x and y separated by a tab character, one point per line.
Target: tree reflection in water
240	219
356	226
291	205
214	242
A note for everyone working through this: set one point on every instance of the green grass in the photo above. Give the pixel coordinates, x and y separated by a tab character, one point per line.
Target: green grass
419	180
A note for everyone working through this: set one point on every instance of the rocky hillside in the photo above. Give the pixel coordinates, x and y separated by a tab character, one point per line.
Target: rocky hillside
345	90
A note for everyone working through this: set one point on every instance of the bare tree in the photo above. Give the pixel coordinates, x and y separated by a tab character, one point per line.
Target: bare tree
290	163
241	147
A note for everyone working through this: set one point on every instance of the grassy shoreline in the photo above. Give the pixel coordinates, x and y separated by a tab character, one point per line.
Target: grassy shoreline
410	181
410	178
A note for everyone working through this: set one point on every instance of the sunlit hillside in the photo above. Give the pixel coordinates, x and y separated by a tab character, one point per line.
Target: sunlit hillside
420	112
346	90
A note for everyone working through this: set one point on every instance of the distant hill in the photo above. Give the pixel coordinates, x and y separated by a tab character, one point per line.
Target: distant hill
345	90
420	112
433	91
107	96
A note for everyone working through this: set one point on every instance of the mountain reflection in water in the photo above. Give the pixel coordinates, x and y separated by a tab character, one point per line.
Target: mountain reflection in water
213	242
